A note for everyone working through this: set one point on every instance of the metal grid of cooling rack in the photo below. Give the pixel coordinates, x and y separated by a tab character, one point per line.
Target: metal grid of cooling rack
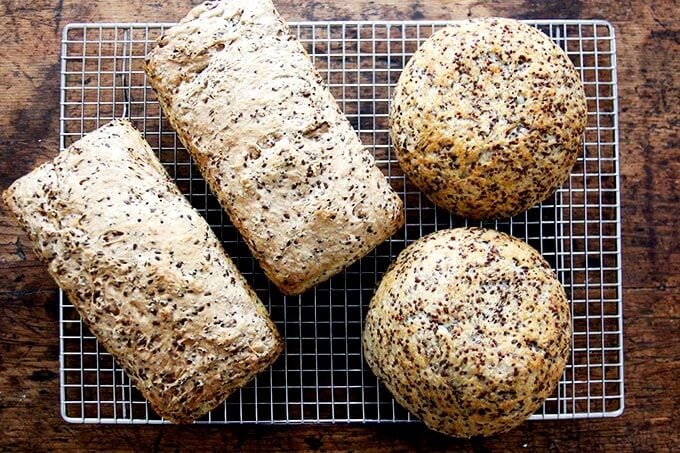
322	377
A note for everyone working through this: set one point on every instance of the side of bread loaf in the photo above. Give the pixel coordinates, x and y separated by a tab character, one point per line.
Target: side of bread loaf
145	272
271	142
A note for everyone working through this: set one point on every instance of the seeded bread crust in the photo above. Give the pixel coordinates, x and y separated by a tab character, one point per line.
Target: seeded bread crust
470	331
488	118
271	142
145	272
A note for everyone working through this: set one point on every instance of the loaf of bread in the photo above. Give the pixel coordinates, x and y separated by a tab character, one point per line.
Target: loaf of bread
488	118
270	140
470	331
145	272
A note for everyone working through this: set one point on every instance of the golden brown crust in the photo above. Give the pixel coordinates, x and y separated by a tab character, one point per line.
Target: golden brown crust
271	142
145	272
488	118
470	330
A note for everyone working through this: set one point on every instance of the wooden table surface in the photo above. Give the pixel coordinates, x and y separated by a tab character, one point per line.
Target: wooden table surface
648	35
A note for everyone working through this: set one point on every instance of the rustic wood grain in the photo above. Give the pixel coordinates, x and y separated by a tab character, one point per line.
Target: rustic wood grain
648	35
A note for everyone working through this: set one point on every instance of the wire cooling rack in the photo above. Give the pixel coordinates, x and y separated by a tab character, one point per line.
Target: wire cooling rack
322	376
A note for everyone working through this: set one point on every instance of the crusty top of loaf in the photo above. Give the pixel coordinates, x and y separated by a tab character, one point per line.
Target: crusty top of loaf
470	330
145	271
270	140
488	117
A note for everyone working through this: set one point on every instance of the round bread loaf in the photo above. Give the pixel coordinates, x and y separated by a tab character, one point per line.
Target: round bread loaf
470	331
488	118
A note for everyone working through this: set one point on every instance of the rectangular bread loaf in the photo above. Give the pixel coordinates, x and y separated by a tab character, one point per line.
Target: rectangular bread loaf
270	140
145	272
